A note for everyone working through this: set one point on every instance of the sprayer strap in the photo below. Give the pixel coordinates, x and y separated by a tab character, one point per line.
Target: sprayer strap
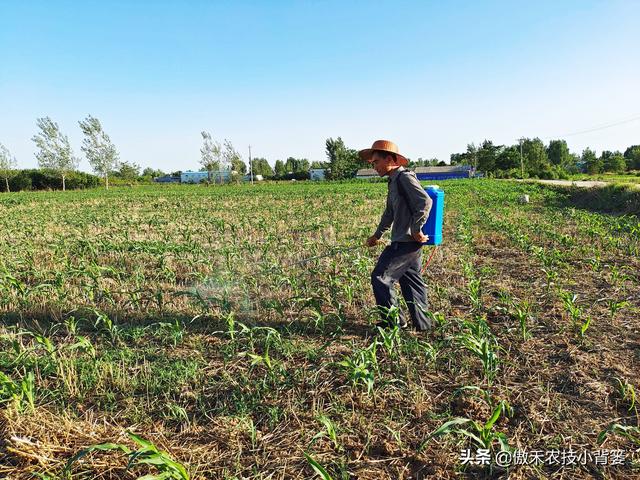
403	192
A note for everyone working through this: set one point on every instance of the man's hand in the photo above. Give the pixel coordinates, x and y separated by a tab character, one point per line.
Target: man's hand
420	237
372	241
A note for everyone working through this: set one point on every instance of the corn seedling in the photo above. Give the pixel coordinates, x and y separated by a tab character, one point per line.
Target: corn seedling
481	434
570	306
390	338
329	431
475	293
521	312
318	469
21	394
147	454
585	325
630	432
615	307
479	340
627	392
362	366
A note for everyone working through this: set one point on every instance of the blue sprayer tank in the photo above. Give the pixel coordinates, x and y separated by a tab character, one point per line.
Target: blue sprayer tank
433	227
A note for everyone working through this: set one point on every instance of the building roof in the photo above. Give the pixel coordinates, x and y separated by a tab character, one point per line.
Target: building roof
444	169
365	172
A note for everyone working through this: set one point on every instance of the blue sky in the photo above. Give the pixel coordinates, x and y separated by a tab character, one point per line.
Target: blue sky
284	76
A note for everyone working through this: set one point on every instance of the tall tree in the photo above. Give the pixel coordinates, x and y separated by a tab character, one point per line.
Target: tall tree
260	166
615	163
98	148
279	168
317	164
508	158
592	163
296	165
343	161
487	154
152	173
535	156
210	154
558	153
632	156
232	159
7	163
54	149
128	170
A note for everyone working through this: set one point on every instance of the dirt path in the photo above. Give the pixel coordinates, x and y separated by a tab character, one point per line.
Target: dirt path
571	183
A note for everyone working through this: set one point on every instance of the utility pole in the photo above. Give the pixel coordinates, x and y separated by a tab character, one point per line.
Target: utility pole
250	166
521	159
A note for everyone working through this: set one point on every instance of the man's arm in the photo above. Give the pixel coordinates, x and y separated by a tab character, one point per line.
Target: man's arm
419	200
385	221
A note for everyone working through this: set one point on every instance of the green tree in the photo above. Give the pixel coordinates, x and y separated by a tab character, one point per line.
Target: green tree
128	171
98	148
280	169
343	161
54	151
592	163
471	155
151	173
296	165
558	153
210	154
632	156
536	162
7	164
508	158
487	154
317	164
572	163
232	159
260	166
615	163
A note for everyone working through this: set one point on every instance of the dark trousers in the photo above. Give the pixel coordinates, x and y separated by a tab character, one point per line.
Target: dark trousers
400	262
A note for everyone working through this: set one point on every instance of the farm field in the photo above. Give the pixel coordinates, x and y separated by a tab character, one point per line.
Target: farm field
231	327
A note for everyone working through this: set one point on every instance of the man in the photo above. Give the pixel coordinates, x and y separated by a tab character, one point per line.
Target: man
407	209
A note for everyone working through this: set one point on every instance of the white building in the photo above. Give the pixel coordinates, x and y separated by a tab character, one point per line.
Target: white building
317	173
219	176
367	173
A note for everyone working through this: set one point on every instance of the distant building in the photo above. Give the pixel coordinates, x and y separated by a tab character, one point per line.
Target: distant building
367	173
219	176
167	179
317	173
444	173
256	178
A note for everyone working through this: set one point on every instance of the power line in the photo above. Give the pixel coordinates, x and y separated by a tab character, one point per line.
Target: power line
596	128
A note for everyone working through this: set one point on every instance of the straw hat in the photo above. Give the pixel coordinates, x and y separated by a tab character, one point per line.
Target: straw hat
385	146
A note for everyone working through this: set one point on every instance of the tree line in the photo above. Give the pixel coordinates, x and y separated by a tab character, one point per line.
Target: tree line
532	158
58	164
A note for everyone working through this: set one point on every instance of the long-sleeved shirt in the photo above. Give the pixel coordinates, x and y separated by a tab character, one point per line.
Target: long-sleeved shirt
397	212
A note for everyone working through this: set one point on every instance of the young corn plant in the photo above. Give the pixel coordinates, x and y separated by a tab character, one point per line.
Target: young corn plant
521	312
615	306
628	431
362	366
147	454
479	340
390	340
21	393
474	291
318	469
482	434
627	392
329	432
571	307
